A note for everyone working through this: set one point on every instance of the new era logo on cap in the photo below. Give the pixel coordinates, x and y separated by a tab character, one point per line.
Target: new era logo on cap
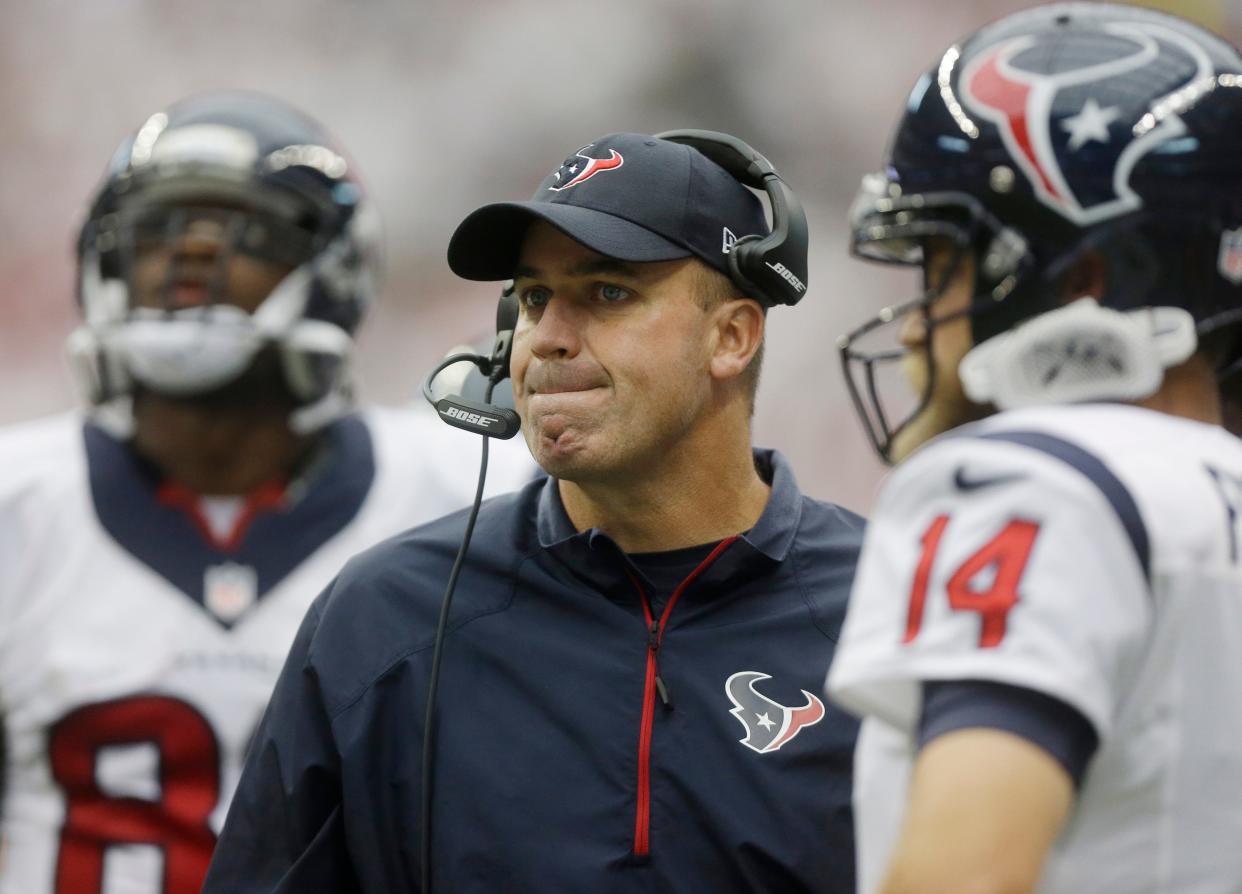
628	196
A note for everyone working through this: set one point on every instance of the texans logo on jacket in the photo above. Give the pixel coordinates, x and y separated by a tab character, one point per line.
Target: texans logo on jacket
769	724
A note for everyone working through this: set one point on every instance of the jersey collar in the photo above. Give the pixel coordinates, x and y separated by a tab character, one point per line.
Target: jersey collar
126	494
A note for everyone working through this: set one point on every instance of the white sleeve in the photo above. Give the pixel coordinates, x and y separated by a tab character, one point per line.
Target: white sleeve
1030	578
28	512
438	465
9	558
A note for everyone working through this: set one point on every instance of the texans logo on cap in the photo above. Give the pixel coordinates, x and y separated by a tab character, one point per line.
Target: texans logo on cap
769	724
1047	111
579	168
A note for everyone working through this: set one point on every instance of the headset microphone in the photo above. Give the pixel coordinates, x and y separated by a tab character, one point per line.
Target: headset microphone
491	421
476	416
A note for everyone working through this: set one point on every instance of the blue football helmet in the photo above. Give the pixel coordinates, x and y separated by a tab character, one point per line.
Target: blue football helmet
260	182
1060	131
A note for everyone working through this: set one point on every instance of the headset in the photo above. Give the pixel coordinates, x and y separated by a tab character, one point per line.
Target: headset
482	417
771	269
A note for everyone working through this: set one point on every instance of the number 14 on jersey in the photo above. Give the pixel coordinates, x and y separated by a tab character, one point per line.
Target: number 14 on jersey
1004	556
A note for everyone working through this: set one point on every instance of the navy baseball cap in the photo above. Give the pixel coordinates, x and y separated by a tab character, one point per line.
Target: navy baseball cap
628	196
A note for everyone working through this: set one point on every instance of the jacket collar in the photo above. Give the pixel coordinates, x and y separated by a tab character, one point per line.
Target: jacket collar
766	544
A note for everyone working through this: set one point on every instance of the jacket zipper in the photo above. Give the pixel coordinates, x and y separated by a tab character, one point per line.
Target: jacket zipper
654	687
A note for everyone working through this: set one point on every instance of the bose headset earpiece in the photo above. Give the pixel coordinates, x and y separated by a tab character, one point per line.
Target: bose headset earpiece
482	417
772	268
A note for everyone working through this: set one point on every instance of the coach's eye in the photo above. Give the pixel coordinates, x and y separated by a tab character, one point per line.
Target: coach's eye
535	296
611	293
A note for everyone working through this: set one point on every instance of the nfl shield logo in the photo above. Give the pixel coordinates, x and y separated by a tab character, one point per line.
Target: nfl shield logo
229	590
1229	261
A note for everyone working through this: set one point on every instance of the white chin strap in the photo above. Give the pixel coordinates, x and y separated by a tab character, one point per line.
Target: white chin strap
195	350
186	352
1080	352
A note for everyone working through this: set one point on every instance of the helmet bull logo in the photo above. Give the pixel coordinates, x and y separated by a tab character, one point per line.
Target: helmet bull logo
1046	117
769	724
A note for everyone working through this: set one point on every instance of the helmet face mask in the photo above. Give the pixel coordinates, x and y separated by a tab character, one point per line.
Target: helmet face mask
1063	136
256	233
893	376
227	227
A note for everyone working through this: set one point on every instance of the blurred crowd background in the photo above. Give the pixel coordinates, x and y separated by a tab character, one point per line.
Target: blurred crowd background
447	104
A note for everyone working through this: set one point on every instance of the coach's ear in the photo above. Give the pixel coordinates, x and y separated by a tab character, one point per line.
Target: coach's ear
738	326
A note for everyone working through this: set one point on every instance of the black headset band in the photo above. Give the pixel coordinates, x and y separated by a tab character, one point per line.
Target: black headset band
739	158
772	268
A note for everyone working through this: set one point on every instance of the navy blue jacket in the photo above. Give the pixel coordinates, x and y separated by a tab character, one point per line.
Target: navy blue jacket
559	768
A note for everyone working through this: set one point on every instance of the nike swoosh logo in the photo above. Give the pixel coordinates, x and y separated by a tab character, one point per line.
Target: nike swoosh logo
964	483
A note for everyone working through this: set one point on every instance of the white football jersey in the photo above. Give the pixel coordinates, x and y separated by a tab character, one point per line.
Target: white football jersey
140	637
1090	553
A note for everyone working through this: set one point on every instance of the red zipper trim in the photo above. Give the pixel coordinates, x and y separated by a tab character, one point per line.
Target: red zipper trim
642	819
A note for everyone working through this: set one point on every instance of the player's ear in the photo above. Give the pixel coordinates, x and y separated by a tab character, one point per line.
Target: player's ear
738	333
1087	278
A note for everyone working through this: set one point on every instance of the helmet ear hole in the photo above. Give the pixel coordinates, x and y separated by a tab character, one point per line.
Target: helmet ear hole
1003	256
1087	277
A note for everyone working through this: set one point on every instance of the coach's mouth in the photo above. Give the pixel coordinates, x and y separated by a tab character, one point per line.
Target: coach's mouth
559	379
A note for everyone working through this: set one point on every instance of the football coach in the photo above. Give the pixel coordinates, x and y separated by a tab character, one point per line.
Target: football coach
627	695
